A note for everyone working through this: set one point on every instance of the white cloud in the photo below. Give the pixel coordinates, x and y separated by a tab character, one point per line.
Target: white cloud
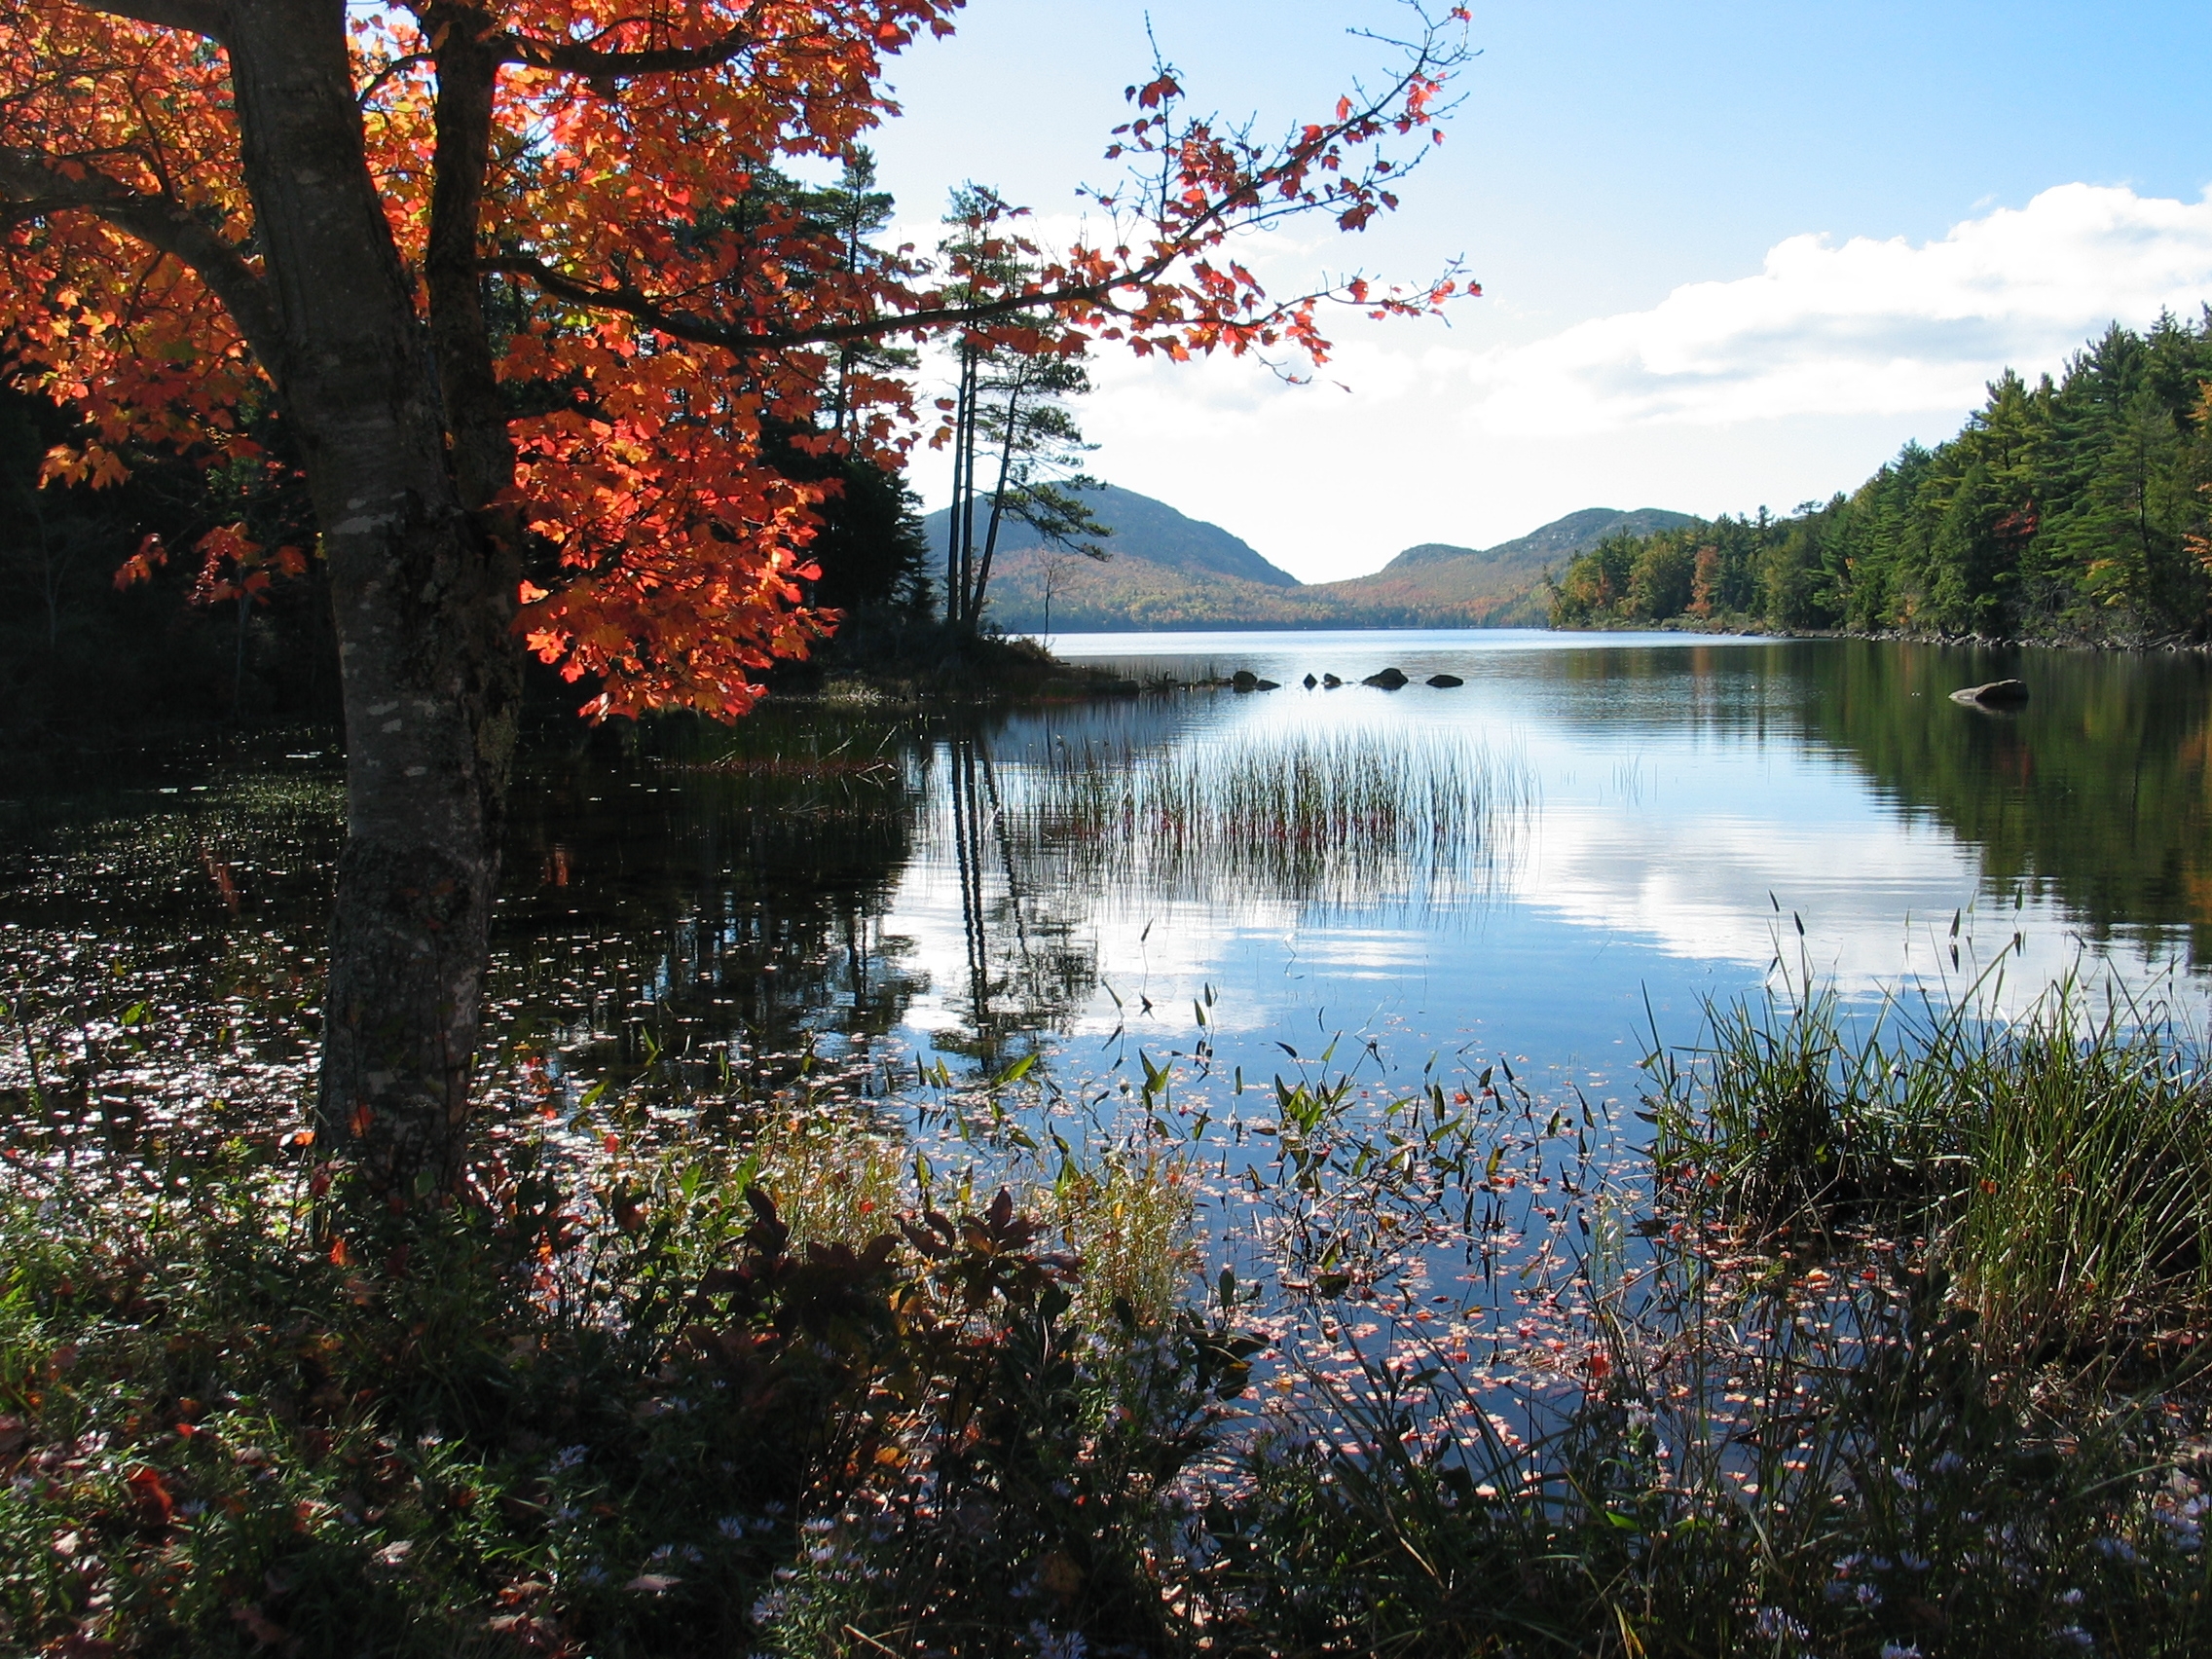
1865	328
1774	388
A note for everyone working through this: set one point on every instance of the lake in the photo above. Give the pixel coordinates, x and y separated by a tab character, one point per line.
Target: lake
1581	843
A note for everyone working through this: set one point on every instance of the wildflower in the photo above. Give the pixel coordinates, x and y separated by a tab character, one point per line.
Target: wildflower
567	1458
2115	1549
1949	1464
1912	1563
2183	1522
731	1526
1869	1596
2074	1635
1900	1650
1072	1646
1774	1625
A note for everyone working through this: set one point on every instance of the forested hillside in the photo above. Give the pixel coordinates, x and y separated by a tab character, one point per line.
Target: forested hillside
2067	511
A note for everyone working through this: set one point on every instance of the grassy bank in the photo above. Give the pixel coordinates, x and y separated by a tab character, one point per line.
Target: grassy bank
1889	1350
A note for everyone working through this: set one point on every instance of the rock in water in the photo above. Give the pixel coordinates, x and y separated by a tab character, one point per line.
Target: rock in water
1389	679
1331	681
1311	683
1997	694
1244	679
1266	685
1445	681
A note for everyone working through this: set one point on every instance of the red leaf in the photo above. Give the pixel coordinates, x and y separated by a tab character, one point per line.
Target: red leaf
150	1496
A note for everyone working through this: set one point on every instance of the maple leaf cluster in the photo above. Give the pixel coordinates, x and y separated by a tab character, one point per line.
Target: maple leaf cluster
656	323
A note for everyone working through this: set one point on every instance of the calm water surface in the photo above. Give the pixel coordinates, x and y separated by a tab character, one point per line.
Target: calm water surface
1593	833
1680	805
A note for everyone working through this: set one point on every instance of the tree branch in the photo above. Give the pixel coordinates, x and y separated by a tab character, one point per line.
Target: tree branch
207	17
704	331
31	184
577	59
581	58
461	121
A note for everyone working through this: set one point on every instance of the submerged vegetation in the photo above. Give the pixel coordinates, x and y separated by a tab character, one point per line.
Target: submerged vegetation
2070	509
1881	1345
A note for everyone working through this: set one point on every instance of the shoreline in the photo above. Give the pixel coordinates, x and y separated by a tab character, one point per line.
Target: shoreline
2172	646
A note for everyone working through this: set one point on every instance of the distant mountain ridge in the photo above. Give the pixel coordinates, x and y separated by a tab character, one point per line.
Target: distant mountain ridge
1143	529
1171	571
1559	539
1440	585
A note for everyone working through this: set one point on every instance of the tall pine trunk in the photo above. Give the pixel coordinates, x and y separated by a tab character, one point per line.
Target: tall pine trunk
962	468
998	496
422	597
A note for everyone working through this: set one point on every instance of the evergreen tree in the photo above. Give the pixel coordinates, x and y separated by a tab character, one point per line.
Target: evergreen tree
2070	511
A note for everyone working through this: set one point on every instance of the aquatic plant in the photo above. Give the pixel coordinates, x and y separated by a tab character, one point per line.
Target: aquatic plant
2060	1161
1331	818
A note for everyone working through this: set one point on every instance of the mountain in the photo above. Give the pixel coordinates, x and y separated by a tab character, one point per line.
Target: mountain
1438	585
1171	571
1143	529
1559	541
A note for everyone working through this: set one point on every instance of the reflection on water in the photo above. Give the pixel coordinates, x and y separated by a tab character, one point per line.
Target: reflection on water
673	906
1519	862
2097	794
1058	823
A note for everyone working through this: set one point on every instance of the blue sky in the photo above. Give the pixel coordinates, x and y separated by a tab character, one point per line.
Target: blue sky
1734	254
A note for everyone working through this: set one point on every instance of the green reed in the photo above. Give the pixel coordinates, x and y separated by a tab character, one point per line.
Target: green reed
1306	817
2060	1160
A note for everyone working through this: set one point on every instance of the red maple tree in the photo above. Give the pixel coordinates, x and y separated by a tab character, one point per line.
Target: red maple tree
488	265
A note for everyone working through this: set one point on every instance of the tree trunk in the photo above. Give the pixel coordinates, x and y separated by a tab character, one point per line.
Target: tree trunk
970	405
421	601
998	496
959	480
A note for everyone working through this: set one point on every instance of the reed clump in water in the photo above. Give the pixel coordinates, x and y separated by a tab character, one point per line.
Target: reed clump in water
2060	1160
1336	817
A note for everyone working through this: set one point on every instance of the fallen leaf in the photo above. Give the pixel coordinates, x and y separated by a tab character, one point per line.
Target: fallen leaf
150	1495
